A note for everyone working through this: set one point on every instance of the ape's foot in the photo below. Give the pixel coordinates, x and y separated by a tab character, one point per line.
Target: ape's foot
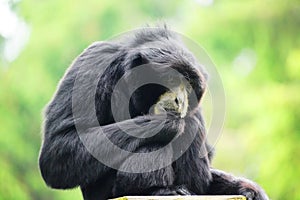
251	191
177	190
226	184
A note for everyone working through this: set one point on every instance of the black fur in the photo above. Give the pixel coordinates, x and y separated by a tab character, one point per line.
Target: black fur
65	162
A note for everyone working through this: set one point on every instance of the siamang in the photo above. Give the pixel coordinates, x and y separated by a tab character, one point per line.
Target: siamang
156	122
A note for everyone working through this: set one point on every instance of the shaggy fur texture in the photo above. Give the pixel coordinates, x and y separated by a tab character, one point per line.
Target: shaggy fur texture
65	162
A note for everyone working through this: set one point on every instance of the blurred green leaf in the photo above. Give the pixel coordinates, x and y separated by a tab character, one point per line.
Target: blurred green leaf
255	44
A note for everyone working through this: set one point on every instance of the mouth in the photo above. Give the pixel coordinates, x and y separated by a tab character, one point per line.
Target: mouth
161	110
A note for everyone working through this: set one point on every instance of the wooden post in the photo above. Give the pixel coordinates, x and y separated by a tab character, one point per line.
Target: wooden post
193	197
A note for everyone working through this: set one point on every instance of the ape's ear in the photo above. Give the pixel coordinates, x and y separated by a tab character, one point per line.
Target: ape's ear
139	59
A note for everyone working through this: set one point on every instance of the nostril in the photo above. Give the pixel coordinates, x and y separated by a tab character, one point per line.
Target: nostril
176	101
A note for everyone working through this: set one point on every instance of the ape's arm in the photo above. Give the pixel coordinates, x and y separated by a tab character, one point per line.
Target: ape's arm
225	184
65	162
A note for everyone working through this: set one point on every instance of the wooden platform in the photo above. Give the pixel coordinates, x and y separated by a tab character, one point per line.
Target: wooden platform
215	197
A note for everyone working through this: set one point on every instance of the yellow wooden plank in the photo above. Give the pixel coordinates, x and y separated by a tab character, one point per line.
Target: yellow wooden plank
193	197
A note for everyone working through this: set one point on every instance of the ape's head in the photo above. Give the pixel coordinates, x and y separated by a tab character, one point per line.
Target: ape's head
167	60
176	81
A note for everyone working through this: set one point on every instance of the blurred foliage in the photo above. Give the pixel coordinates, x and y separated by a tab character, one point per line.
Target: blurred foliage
255	45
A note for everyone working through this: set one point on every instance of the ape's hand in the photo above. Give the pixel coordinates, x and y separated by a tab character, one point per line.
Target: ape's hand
173	127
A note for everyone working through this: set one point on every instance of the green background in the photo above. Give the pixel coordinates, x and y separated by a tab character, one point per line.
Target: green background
255	45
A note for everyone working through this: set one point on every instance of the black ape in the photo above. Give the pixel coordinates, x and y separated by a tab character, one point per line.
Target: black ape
65	161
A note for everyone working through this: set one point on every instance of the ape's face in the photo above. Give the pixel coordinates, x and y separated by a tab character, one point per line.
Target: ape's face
174	101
